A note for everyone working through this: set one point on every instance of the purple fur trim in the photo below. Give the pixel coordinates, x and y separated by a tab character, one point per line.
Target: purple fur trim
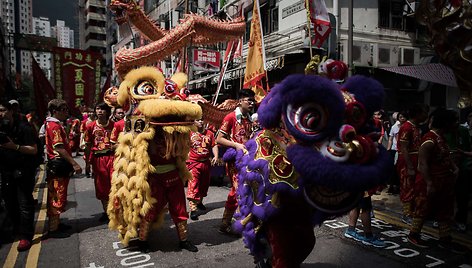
314	168
366	90
230	155
299	89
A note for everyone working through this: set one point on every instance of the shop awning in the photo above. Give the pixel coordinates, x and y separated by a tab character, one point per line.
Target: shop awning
236	73
431	72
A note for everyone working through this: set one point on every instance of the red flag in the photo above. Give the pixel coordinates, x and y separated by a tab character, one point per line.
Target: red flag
320	18
43	91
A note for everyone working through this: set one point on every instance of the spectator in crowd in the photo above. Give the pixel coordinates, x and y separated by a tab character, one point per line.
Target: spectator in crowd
409	141
203	154
118	114
400	118
60	166
18	151
434	185
235	130
16	110
364	208
460	143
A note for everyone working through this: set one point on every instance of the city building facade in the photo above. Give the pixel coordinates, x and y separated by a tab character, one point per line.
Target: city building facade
17	17
92	25
384	33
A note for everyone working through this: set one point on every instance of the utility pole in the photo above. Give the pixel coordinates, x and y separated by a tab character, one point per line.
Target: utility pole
350	29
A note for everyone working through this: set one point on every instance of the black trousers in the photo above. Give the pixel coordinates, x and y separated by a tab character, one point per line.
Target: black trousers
17	192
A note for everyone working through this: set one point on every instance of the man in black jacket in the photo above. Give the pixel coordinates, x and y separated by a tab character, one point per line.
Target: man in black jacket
18	163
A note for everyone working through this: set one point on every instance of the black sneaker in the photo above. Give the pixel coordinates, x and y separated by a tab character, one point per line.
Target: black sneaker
64	227
452	247
194	215
103	218
55	234
143	246
201	206
416	240
188	246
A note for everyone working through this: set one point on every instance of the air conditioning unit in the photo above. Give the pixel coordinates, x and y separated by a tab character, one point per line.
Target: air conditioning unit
385	55
409	56
361	54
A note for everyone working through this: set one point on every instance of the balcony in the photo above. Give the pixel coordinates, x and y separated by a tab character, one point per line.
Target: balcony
95	3
95	43
95	16
95	29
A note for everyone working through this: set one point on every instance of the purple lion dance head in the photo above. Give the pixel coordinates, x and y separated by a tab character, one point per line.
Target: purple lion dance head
317	148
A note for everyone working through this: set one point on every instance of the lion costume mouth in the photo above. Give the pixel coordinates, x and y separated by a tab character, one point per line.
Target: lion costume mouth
165	112
330	201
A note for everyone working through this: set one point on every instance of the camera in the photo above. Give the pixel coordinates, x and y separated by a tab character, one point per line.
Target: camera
3	137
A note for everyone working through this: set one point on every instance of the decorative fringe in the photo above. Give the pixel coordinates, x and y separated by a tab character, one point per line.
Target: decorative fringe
130	195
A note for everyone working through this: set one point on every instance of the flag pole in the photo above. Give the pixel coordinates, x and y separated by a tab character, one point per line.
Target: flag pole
222	75
308	22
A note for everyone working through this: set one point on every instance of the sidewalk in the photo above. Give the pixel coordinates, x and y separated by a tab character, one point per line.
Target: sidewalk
387	207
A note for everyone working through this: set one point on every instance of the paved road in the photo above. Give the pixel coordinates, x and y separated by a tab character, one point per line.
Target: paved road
91	244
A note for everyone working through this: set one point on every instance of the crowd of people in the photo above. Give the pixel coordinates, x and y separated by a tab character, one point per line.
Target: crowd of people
432	157
431	154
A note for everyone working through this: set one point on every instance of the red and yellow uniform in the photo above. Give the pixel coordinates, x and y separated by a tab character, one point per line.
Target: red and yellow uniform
437	204
74	134
409	133
57	186
199	165
117	129
237	127
166	184
97	136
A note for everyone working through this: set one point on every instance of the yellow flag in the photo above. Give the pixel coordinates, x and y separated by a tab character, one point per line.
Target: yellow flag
255	69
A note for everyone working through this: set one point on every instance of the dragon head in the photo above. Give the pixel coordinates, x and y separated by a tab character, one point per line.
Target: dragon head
122	9
146	95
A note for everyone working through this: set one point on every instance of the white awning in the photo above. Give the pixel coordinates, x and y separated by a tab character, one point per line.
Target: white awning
431	72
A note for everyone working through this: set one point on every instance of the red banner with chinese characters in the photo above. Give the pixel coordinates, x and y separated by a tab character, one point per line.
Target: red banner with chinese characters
77	76
206	60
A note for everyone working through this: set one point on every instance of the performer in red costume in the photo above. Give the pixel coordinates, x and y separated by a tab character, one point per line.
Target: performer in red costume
434	186
58	151
97	140
199	163
74	135
409	140
234	132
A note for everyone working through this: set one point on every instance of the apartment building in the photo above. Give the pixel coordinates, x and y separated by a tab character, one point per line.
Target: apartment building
42	27
92	25
63	34
17	17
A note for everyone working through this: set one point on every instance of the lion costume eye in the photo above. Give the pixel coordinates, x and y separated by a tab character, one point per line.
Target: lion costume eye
309	118
144	88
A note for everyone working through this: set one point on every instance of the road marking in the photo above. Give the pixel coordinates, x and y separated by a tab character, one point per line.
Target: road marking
426	229
93	265
32	260
33	254
13	253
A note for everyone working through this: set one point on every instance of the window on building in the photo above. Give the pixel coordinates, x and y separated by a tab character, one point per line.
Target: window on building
393	15
269	19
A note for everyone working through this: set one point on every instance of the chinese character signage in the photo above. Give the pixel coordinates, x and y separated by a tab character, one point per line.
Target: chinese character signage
77	76
206	60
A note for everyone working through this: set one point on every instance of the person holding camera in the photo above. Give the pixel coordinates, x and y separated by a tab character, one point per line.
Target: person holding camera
18	152
60	167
